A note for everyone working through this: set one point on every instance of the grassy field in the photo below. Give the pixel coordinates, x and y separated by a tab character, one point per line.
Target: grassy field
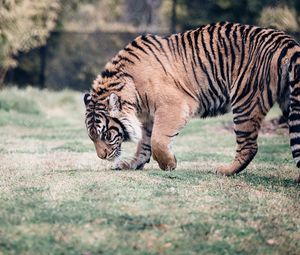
57	197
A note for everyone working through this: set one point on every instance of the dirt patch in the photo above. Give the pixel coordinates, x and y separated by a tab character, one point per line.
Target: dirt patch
277	126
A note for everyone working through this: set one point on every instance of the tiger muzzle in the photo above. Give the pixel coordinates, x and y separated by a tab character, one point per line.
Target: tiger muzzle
101	149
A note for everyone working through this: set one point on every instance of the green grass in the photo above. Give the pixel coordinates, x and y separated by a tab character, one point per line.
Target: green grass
57	197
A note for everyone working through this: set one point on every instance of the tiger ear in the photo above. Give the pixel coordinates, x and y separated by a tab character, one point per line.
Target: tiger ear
87	98
114	105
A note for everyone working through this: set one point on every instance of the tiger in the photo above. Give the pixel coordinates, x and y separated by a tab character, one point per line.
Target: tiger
156	84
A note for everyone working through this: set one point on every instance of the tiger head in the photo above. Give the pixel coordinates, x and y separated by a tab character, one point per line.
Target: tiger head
108	126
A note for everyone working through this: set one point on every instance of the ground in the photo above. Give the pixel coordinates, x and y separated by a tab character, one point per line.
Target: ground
57	197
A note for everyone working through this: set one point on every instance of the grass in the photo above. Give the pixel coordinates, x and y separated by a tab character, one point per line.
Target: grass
57	197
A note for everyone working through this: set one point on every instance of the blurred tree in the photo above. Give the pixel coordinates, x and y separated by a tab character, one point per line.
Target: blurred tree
75	13
110	15
92	15
282	18
173	16
243	11
142	13
24	24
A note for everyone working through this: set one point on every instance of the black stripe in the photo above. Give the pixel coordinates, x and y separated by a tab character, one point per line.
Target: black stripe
183	44
177	44
145	39
160	45
295	141
108	74
172	135
125	132
125	74
124	59
296	153
279	66
294	116
294	128
211	30
134	55
134	44
113	84
228	30
147	103
171	46
295	55
234	34
158	60
191	46
180	87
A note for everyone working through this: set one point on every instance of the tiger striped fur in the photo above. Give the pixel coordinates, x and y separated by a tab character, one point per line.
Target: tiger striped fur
154	85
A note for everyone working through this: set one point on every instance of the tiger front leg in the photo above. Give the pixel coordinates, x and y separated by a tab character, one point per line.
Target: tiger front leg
163	155
143	153
167	124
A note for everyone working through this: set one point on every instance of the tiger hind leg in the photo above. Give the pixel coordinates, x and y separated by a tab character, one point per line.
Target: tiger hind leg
246	131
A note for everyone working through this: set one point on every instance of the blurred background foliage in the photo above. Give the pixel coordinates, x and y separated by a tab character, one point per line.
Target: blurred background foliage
24	25
58	44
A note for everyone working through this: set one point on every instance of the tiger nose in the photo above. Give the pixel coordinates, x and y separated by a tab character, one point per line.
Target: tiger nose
103	154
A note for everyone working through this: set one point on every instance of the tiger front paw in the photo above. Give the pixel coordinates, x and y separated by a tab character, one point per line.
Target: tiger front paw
122	165
167	164
163	155
126	165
